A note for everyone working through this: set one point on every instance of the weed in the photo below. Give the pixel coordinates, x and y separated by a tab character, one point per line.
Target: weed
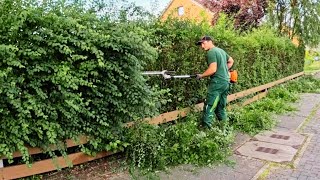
156	147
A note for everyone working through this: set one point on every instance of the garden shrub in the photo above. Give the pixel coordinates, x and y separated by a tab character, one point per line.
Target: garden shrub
157	147
261	56
64	72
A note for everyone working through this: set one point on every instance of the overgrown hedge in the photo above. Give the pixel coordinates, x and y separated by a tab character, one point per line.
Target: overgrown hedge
261	56
66	72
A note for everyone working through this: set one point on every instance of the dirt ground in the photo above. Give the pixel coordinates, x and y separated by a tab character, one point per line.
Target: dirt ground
101	169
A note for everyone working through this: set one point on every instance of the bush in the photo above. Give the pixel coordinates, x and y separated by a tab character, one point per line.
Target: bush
157	147
261	56
65	72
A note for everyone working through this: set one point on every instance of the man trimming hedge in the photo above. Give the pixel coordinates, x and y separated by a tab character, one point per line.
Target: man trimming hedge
219	62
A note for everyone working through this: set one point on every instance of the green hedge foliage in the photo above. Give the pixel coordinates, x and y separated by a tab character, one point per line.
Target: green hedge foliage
65	72
260	57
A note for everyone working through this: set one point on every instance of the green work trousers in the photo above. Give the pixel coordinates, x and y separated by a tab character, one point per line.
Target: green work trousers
216	102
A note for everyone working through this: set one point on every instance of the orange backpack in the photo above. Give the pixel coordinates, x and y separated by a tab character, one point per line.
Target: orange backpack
233	76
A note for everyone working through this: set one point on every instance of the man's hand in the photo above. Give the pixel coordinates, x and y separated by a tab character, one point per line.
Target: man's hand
199	76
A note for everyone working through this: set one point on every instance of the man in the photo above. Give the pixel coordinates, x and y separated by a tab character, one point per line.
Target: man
219	63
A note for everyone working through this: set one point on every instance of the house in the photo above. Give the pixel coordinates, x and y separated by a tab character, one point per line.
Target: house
194	10
187	9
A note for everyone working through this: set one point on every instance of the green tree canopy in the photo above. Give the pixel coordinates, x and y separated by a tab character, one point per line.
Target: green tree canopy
297	18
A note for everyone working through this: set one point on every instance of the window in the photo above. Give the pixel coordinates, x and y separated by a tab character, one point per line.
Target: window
180	10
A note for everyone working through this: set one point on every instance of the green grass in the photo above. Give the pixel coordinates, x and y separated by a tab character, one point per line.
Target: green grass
313	67
257	116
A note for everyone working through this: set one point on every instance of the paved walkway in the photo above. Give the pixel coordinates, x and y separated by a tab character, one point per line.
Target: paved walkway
251	168
308	167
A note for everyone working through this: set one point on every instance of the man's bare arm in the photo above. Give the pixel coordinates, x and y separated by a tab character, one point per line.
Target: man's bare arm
211	70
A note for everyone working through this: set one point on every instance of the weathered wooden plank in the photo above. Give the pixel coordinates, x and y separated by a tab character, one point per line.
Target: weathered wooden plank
173	115
247	92
19	171
255	98
35	150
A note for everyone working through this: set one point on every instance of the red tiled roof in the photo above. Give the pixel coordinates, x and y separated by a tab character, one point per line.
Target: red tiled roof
202	2
207	4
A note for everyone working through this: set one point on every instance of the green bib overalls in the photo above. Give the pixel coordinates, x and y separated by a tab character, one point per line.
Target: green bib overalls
218	88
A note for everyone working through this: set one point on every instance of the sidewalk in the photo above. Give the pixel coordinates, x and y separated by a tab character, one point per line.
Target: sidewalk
305	120
308	166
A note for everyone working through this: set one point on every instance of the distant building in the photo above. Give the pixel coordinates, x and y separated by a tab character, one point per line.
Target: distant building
187	9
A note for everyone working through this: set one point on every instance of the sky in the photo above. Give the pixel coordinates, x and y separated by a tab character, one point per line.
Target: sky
154	6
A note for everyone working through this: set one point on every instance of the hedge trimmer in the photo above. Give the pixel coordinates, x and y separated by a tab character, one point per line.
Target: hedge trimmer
168	74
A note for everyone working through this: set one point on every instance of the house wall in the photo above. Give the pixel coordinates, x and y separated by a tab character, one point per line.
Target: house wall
295	41
192	10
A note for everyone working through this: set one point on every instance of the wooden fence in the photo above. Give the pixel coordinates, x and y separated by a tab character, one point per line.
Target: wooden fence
42	166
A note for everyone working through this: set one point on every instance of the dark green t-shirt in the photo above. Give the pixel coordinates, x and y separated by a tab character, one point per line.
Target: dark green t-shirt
221	58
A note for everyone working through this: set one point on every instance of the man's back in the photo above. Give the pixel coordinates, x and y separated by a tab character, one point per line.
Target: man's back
220	57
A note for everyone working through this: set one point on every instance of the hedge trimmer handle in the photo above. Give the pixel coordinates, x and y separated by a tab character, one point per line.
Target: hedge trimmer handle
183	76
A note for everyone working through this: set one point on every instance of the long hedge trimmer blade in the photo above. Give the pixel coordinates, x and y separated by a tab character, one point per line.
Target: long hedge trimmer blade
168	74
165	74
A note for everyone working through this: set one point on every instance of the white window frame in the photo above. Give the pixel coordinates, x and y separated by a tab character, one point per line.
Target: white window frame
180	11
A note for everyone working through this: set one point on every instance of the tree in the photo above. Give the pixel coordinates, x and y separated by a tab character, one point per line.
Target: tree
297	19
115	10
247	13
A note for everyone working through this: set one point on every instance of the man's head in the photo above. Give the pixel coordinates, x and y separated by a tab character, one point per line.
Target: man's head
206	43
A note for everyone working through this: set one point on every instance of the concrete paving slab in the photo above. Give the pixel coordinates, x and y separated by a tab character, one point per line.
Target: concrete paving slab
308	164
283	137
307	103
240	139
289	122
267	151
244	169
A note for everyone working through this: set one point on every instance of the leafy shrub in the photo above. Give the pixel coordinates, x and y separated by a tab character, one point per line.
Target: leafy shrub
307	84
156	147
276	106
261	56
281	92
65	72
251	121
